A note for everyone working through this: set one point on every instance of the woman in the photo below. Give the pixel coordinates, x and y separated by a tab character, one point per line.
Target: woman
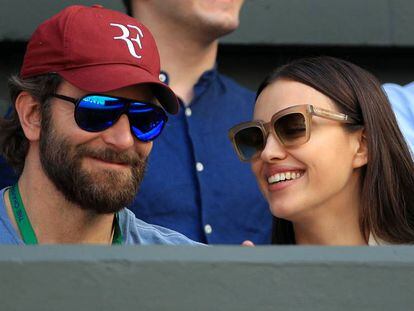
329	157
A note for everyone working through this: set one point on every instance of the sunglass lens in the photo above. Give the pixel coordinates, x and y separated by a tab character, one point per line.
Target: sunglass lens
291	129
249	141
96	113
147	121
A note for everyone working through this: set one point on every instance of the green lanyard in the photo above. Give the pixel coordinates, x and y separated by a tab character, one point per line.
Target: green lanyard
25	227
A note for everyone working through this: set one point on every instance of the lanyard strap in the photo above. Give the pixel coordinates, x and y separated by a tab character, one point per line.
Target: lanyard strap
117	238
23	222
25	227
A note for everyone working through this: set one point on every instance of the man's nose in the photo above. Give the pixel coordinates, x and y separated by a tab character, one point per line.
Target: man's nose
119	135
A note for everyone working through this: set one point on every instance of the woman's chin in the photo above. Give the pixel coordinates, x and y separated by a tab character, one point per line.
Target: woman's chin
282	211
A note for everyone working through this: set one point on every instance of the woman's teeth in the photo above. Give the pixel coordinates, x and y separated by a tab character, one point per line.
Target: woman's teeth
282	177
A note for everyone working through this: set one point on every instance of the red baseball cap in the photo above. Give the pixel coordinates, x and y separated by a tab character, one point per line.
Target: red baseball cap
97	50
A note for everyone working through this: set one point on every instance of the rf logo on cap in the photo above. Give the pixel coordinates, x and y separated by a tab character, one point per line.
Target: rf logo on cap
126	37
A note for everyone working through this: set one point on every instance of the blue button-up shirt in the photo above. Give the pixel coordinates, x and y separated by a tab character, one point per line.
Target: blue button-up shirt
7	176
195	183
402	102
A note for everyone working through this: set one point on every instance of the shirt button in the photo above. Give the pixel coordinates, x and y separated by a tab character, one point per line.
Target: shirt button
162	77
188	112
199	167
208	229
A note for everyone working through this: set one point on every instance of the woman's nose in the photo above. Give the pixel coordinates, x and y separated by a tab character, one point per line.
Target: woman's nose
273	149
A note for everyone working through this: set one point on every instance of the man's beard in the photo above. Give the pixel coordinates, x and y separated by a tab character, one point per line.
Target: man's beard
99	190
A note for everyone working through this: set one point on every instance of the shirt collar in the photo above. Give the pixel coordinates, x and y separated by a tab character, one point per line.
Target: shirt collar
200	87
204	79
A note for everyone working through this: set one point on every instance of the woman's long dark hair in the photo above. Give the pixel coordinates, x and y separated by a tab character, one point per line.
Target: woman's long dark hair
387	192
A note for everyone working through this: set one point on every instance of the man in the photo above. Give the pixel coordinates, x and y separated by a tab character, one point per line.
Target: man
402	102
195	184
85	109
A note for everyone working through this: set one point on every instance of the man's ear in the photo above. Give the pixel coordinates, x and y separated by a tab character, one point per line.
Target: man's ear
361	152
28	110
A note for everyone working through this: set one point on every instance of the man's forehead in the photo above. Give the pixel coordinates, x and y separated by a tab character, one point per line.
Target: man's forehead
141	91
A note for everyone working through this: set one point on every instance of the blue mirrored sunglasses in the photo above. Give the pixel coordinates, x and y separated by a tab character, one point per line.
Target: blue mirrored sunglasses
97	112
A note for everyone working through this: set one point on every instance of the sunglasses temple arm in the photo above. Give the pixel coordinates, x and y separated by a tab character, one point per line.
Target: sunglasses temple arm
67	98
323	113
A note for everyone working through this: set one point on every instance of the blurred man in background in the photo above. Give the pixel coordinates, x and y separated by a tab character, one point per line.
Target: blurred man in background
195	184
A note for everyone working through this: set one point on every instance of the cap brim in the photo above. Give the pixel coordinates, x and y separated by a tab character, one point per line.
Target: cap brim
109	77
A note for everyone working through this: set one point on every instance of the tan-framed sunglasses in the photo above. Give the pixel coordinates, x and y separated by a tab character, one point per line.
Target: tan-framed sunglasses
290	126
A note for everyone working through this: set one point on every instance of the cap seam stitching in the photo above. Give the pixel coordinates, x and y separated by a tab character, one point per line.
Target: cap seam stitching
66	32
